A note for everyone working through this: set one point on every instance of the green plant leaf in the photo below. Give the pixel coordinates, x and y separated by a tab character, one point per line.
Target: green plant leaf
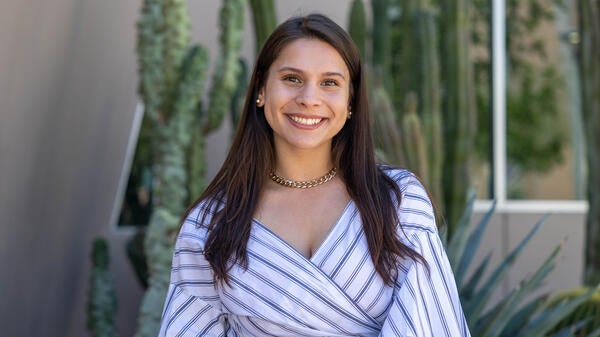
521	317
460	236
471	285
483	296
545	320
472	245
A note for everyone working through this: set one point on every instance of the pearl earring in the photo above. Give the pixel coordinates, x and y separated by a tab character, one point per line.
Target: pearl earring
349	114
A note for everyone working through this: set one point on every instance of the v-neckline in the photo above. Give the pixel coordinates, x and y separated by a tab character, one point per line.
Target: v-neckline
320	247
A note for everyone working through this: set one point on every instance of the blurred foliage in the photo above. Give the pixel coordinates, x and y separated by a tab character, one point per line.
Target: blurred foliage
586	315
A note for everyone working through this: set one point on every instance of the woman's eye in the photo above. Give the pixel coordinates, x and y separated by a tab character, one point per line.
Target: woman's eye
330	83
291	78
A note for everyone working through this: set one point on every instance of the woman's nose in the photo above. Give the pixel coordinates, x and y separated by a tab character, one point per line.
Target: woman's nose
308	96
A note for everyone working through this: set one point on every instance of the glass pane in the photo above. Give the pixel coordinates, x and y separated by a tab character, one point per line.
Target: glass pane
136	206
544	137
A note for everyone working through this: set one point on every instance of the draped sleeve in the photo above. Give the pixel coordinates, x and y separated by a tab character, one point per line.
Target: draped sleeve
425	300
192	306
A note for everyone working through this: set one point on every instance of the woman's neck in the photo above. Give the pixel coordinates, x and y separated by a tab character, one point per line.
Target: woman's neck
303	165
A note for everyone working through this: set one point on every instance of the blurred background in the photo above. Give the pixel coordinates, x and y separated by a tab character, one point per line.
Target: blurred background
481	96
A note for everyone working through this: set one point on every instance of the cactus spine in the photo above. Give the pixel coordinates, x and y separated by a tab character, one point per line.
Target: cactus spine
102	300
172	109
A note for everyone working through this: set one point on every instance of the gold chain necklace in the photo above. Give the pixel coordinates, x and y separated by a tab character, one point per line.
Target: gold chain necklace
303	184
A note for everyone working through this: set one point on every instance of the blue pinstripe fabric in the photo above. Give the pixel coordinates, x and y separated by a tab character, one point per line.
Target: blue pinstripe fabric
334	293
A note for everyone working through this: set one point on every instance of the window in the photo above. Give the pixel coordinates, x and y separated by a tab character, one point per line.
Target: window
538	162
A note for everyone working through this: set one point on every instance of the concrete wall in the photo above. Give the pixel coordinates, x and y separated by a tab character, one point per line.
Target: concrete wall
67	79
67	100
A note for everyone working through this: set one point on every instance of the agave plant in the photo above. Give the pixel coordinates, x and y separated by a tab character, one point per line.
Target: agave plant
520	313
587	314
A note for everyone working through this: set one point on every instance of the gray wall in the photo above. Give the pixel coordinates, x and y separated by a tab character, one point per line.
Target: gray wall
68	81
67	101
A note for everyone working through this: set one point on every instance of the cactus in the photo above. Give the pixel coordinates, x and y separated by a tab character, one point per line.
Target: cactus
431	110
102	300
414	86
265	20
387	135
358	27
158	245
459	114
414	138
381	40
179	124
150	56
231	19
590	72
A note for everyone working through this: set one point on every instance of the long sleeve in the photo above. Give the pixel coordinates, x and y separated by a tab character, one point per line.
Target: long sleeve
192	306
425	300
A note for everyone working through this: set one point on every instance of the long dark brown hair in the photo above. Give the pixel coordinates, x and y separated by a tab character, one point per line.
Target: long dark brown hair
236	188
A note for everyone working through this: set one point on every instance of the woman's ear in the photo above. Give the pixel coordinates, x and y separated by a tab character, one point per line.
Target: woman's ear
260	98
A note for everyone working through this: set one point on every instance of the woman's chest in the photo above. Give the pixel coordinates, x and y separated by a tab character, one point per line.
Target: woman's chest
338	281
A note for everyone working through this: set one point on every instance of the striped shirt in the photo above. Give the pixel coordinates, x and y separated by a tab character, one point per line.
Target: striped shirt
336	292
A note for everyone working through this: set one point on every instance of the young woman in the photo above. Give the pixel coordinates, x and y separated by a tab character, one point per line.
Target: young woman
301	233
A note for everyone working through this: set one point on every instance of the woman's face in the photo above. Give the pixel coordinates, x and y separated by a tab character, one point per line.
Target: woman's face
306	96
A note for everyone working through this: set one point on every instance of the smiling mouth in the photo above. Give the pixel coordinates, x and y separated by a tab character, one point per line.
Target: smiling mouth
306	121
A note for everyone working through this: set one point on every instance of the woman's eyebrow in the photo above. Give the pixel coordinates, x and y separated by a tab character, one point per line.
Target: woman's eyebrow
334	73
296	70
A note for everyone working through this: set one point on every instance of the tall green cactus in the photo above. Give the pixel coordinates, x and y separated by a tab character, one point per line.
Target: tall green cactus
102	300
590	73
358	27
414	138
431	110
387	136
459	114
265	20
224	80
381	57
172	76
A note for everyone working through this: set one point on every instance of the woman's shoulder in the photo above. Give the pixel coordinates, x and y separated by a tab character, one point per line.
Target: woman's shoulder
401	176
415	211
197	219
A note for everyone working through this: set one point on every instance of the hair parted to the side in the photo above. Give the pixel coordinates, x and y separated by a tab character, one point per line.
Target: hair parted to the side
235	190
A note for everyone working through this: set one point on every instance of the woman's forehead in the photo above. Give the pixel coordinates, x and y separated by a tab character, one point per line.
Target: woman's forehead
310	55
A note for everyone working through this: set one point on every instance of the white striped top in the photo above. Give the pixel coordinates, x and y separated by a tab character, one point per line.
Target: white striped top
336	292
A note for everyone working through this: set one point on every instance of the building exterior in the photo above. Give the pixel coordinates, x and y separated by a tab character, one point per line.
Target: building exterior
67	110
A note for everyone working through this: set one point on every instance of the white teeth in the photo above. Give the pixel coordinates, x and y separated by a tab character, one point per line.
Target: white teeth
306	121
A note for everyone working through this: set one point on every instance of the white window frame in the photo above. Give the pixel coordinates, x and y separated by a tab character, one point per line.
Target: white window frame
503	204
